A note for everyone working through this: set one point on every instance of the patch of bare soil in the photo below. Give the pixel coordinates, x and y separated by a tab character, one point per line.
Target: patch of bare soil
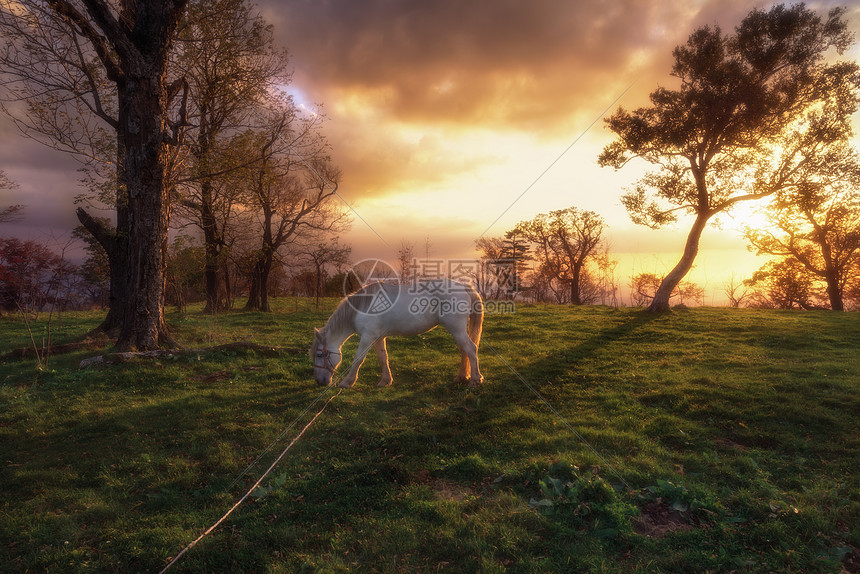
658	519
852	562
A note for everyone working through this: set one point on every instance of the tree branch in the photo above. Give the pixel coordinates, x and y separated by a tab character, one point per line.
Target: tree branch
100	12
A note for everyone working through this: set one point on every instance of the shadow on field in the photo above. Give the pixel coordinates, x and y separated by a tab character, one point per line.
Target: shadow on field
610	335
564	353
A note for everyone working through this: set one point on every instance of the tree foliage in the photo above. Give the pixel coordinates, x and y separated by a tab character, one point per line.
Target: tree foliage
718	137
784	284
226	51
564	242
816	221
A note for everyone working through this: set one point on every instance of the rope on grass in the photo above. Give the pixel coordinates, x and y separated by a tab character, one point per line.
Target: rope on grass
256	484
280	437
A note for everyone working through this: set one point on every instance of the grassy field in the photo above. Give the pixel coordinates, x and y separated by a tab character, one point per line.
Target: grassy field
603	441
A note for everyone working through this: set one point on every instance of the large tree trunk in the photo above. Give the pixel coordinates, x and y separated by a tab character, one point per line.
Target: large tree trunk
831	275
575	298
114	242
834	293
212	245
575	291
258	292
142	113
253	303
660	303
264	288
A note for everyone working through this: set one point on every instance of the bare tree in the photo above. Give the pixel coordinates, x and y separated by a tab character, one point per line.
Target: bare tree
91	60
10	212
95	270
608	281
492	268
736	292
322	253
406	262
644	287
564	242
716	139
288	190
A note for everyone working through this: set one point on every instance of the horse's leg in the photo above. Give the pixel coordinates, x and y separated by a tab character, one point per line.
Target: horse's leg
463	375
470	350
364	345
382	355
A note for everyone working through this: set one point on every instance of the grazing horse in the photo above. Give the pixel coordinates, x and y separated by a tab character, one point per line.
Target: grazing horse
380	310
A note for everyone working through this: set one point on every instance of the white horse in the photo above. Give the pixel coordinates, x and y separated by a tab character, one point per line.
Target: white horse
380	310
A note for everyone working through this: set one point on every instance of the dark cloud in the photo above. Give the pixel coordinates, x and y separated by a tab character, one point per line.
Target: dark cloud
503	62
545	68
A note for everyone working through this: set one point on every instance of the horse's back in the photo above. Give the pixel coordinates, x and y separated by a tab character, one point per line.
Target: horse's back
390	309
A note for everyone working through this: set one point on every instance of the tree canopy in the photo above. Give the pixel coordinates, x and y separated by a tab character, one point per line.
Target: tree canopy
716	139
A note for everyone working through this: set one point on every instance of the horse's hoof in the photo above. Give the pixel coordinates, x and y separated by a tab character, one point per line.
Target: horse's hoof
460	379
384	383
346	384
475	383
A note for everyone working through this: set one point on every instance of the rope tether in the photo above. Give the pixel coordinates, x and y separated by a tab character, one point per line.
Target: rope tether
256	484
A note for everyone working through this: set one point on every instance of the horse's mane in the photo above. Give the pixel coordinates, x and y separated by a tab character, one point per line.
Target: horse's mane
345	312
343	317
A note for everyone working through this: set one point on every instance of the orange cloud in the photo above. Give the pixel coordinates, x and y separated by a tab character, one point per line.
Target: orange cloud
403	81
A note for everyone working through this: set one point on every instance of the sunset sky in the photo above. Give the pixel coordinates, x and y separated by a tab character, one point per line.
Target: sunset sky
455	119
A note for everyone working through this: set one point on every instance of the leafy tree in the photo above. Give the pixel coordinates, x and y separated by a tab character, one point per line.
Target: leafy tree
822	235
26	271
784	284
716	139
101	68
503	262
515	253
816	222
226	52
564	242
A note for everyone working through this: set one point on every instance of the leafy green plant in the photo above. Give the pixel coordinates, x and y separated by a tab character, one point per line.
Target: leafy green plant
586	502
681	499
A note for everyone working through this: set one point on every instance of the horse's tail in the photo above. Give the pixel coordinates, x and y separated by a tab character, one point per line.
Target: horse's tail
476	316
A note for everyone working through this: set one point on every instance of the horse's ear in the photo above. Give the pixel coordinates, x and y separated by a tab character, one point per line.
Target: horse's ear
316	332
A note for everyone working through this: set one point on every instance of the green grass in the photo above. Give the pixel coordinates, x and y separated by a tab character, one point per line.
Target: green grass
737	432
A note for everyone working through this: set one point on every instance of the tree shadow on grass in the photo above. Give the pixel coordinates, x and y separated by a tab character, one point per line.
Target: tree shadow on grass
608	336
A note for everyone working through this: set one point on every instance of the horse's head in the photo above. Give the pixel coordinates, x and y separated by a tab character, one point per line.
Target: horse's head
325	360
